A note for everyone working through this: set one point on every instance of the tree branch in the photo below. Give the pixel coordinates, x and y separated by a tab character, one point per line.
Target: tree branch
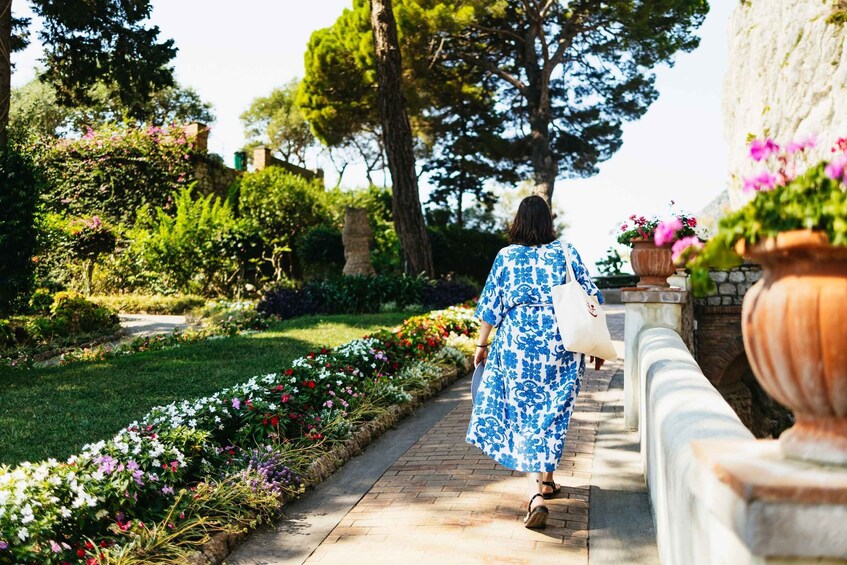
494	69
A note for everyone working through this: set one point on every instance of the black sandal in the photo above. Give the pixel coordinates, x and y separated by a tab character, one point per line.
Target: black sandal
536	518
557	490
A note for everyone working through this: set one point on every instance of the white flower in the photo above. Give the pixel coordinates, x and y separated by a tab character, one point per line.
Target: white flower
65	512
101	514
23	533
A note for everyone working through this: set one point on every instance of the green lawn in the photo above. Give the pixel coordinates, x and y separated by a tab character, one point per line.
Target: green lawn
53	412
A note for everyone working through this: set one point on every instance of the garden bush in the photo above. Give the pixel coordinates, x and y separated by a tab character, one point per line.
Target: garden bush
150	304
82	315
358	295
281	206
320	250
465	252
185	246
115	170
19	191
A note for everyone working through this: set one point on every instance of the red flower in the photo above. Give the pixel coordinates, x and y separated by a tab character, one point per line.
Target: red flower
289	372
275	421
310	384
285	398
80	552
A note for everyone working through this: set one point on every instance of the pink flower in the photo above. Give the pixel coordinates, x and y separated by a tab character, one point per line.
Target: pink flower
666	231
802	145
236	403
763	181
836	168
761	150
55	547
681	246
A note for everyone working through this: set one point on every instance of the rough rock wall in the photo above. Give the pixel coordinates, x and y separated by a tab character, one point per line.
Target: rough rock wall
786	78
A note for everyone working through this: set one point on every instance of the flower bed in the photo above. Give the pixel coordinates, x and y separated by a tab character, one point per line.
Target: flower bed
188	470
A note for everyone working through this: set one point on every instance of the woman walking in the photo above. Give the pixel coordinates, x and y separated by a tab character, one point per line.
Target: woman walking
530	382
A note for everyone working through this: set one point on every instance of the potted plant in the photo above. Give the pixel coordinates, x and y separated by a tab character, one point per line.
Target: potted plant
651	258
793	319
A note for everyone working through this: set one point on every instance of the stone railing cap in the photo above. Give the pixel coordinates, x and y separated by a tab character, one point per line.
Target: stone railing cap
757	470
654	296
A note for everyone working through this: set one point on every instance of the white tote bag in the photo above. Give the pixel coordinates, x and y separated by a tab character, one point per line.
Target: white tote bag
581	319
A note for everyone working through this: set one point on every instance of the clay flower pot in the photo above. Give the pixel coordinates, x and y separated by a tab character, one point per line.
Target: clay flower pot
794	323
652	264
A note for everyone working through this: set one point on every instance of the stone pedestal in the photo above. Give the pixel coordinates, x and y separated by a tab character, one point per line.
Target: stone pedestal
645	309
766	508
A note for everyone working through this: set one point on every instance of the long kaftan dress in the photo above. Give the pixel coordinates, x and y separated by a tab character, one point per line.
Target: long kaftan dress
530	382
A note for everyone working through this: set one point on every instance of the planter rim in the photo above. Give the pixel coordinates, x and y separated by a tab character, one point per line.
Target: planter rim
789	242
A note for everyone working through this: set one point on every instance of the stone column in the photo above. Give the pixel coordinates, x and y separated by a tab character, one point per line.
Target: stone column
645	309
262	158
200	133
357	240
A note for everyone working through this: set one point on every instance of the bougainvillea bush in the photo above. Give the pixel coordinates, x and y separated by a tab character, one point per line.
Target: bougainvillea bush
190	468
114	170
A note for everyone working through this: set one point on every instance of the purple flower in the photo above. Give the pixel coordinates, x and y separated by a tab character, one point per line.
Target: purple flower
836	168
55	547
136	476
167	489
666	231
107	464
236	403
3	545
761	150
132	466
683	245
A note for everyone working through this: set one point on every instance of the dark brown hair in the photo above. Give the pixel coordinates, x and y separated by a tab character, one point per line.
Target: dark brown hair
533	223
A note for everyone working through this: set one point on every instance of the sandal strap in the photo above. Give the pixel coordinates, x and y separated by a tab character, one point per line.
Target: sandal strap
529	506
549	483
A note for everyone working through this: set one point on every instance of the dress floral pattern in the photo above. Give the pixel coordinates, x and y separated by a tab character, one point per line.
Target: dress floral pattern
530	382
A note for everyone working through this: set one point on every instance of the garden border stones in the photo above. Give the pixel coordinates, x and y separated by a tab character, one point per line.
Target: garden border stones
218	548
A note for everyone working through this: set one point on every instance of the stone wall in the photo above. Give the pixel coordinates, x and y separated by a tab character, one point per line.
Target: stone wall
787	78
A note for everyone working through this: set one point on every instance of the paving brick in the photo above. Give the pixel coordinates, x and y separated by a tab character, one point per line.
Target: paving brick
445	501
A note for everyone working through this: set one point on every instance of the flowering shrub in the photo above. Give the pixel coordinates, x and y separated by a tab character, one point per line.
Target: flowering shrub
123	491
114	170
785	197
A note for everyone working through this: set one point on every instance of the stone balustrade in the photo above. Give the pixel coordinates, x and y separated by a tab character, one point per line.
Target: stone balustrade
718	495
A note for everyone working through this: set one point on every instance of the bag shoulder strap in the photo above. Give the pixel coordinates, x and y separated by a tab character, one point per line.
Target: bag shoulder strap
571	276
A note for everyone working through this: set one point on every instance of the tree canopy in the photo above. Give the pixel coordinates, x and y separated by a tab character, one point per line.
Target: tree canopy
36	110
277	122
558	78
87	42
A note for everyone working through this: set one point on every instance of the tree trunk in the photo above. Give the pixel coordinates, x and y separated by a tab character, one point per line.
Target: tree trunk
545	166
5	67
397	133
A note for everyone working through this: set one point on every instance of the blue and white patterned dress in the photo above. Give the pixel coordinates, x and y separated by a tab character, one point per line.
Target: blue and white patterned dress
530	383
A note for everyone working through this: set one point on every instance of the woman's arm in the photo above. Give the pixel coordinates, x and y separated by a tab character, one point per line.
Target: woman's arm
482	343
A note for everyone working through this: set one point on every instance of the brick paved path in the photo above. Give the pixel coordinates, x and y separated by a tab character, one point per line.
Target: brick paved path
445	501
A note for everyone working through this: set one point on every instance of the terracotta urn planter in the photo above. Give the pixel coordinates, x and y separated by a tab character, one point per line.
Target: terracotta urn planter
652	264
794	323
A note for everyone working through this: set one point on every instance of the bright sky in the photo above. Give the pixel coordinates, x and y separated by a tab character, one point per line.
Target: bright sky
233	52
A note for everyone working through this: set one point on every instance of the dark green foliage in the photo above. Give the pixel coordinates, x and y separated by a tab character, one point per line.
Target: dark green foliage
281	206
465	252
611	264
447	292
81	315
357	295
19	190
86	42
320	250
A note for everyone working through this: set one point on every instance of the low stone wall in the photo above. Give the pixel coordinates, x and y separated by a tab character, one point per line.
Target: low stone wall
678	406
718	494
